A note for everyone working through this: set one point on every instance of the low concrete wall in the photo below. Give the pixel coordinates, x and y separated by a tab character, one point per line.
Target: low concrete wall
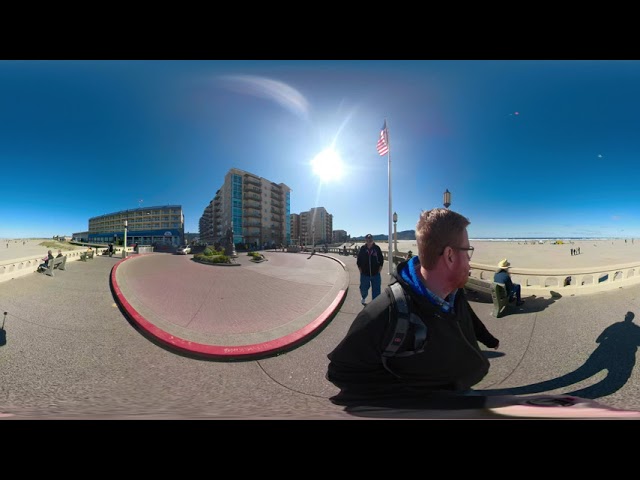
24	266
549	282
566	281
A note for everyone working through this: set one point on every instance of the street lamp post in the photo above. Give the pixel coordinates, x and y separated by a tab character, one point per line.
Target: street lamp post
446	198
395	234
124	249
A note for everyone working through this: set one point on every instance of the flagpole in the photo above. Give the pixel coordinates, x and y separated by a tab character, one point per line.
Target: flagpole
390	257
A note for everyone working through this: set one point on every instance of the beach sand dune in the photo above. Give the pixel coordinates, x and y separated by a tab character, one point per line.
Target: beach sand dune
31	248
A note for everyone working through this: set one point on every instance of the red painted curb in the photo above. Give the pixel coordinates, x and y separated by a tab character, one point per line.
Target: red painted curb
234	351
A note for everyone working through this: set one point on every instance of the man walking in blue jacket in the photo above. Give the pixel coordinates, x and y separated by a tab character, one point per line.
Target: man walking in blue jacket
369	263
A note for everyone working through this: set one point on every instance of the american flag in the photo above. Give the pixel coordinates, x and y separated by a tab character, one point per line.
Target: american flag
383	143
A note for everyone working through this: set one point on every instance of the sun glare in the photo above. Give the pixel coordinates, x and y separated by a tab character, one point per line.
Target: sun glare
327	165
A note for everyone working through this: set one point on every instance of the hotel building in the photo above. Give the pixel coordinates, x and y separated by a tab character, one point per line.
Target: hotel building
145	226
255	208
314	226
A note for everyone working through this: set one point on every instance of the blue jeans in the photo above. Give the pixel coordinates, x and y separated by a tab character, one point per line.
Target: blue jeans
515	292
374	280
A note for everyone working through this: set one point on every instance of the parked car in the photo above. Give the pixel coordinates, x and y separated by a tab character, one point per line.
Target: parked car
184	250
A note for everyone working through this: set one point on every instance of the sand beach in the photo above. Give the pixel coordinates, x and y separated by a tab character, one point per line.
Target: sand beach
593	253
20	248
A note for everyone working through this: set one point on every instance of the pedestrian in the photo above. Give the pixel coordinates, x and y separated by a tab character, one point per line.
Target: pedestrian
369	261
448	359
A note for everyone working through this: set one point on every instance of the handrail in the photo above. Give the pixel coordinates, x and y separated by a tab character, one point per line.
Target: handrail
548	281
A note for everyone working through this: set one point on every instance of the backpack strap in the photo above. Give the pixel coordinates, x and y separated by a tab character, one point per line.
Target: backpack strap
405	319
399	301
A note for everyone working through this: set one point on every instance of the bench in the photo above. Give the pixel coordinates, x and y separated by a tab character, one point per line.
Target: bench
497	291
53	263
85	255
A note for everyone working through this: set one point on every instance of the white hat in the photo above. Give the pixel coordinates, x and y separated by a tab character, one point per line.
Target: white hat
504	264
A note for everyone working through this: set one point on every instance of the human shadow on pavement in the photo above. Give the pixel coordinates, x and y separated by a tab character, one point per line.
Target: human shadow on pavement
532	303
491	354
616	353
3	333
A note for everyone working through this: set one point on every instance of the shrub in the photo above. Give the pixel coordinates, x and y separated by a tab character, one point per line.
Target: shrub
212	258
208	252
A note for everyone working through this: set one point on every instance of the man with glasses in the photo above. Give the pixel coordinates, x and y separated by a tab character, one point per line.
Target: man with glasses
447	359
369	263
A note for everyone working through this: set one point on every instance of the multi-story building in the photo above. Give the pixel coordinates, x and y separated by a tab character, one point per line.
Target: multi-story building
255	208
145	226
316	226
80	237
295	229
340	236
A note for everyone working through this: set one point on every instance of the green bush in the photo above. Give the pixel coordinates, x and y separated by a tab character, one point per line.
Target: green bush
208	252
212	258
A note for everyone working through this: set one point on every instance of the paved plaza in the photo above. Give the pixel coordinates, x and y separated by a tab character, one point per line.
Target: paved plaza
161	336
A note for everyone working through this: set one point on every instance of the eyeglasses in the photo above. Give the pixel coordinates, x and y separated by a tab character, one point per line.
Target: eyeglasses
469	250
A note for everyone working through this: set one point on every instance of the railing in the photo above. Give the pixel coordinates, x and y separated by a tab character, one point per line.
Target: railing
252	181
566	281
541	282
24	266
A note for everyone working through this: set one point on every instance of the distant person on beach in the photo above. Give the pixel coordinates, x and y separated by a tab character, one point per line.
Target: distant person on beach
503	276
369	262
45	260
441	354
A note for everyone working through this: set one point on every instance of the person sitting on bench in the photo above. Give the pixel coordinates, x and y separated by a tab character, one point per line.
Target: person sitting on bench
45	260
502	276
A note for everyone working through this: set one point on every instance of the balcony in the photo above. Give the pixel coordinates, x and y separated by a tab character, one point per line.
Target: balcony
251	196
252	181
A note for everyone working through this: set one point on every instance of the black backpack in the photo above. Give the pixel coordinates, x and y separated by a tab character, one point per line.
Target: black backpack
407	323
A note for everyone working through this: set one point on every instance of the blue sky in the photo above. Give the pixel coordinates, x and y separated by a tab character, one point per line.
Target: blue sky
84	138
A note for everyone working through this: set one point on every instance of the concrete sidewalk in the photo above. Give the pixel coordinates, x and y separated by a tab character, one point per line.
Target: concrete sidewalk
70	351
